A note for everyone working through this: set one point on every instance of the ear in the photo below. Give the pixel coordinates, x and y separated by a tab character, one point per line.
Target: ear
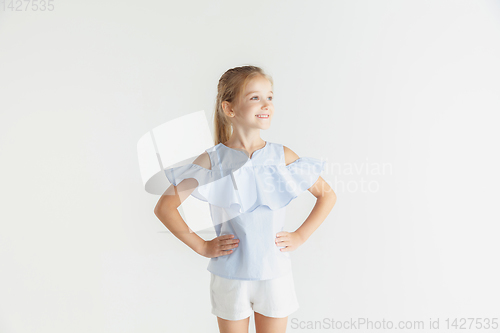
227	108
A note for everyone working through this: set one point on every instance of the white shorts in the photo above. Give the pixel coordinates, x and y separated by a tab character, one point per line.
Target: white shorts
236	299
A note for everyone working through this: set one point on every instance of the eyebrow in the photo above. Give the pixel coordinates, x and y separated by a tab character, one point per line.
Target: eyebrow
251	92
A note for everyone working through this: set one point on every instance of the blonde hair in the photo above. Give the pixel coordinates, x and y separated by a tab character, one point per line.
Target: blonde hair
231	85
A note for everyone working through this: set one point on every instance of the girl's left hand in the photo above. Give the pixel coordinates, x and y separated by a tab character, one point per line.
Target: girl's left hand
291	240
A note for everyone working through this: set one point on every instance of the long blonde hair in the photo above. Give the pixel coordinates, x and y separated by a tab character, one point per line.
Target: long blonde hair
231	84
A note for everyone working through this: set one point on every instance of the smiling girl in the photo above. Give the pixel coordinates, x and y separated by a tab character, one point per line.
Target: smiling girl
248	183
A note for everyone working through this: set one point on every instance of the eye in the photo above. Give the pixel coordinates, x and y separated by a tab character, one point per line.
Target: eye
258	97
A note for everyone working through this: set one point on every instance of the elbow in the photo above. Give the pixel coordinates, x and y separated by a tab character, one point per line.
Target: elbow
333	199
162	208
330	197
156	211
159	209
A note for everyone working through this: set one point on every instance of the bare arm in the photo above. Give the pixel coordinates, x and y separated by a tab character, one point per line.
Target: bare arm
325	200
166	211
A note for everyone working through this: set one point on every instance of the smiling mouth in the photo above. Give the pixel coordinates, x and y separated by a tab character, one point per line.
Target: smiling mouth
263	116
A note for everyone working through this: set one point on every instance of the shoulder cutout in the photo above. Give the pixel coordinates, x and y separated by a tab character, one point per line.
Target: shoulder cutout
290	155
204	161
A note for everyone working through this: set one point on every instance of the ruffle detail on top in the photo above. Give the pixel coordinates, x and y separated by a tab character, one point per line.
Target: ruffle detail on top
212	187
277	185
273	186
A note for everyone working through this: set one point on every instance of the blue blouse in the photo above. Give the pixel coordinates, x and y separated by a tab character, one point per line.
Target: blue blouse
248	198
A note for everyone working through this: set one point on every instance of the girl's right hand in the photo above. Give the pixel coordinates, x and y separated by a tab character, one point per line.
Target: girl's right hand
219	246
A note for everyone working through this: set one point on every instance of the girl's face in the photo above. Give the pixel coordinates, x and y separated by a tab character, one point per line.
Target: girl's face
257	99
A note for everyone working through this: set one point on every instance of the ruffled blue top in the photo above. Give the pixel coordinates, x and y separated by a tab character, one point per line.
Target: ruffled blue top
247	198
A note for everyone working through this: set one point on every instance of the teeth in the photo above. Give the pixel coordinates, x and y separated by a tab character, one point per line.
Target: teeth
263	116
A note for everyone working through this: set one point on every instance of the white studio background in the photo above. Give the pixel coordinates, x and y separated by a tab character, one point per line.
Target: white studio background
399	97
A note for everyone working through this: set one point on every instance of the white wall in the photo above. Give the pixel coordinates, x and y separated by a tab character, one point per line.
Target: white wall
412	85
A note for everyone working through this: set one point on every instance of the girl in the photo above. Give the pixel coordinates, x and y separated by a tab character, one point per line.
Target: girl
248	182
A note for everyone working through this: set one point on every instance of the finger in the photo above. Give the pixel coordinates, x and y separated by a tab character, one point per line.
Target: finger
224	237
230	241
228	246
280	244
224	253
